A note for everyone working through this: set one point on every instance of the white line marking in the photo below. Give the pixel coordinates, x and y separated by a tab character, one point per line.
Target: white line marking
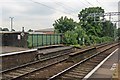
96	68
7	54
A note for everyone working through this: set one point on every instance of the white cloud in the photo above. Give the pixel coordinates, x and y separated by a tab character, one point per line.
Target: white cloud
33	15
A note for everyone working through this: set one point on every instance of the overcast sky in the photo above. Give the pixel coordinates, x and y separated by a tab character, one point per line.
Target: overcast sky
40	14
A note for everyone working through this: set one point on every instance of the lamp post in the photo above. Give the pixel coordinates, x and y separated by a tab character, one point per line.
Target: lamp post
11	22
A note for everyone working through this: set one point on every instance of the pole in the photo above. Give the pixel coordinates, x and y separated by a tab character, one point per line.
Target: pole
11	22
94	17
110	17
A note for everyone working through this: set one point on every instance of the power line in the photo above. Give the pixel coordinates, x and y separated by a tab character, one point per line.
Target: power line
101	4
70	8
52	8
89	3
83	3
98	2
60	4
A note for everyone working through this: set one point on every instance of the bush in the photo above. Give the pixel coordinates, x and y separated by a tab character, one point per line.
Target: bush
107	39
70	37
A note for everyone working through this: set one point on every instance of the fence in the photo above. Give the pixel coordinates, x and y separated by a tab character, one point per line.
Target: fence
13	39
36	40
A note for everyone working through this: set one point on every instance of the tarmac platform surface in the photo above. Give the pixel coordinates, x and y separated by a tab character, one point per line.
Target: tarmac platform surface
7	49
107	70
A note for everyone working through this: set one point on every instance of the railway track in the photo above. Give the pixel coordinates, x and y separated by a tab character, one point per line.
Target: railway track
48	72
81	69
16	73
47	68
16	59
34	66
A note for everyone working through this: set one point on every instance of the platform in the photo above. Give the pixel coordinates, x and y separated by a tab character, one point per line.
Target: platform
7	49
108	69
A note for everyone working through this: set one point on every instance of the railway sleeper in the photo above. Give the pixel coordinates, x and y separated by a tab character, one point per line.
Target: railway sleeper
26	70
73	76
98	58
15	73
78	73
91	64
94	61
84	66
64	78
26	77
87	66
8	76
82	69
83	72
103	55
12	75
30	68
20	71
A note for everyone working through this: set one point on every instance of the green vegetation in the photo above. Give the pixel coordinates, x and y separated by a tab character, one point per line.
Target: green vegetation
64	24
89	30
5	29
70	38
30	30
118	33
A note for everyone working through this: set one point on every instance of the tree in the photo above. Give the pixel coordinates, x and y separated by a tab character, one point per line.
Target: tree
89	30
118	33
82	37
64	24
30	30
108	29
96	30
84	14
87	22
5	29
13	29
0	29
